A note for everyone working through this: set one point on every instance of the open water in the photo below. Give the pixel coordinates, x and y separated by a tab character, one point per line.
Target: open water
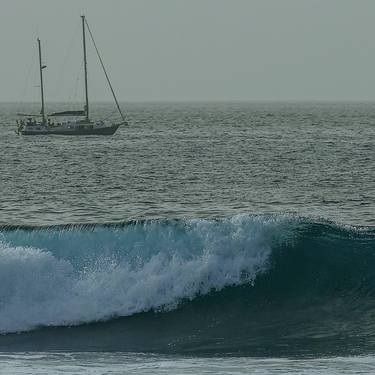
223	238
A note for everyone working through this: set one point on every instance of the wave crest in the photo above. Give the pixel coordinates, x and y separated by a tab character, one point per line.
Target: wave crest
73	275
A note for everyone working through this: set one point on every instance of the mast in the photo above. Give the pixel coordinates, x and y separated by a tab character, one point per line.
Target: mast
41	67
85	65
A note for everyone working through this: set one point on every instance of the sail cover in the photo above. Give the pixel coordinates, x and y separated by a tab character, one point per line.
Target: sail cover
28	114
68	113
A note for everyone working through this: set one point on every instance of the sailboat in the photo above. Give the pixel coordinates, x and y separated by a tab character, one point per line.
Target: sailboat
82	124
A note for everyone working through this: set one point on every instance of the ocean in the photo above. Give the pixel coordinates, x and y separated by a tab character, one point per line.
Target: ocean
216	238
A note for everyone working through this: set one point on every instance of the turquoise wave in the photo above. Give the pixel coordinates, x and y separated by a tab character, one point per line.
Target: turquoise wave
254	285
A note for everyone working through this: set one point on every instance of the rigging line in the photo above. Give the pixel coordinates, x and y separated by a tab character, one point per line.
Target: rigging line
36	85
63	65
105	72
76	88
27	81
74	91
73	95
110	115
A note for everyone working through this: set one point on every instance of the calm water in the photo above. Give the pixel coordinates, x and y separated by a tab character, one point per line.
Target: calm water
195	160
222	238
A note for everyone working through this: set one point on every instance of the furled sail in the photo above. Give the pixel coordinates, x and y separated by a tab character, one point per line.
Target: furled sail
68	113
28	114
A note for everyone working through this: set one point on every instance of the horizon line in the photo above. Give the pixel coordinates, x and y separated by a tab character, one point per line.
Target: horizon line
199	101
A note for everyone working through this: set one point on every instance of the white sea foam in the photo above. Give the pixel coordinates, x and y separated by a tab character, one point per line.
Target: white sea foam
152	266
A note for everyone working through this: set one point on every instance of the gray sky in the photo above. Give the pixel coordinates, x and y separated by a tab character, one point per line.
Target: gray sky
192	49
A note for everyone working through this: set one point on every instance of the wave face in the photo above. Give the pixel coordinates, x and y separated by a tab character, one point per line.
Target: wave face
249	284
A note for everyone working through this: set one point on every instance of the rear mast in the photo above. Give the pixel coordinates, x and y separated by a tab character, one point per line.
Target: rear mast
85	65
41	67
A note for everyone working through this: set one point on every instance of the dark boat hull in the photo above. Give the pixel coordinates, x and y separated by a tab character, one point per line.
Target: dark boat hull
108	130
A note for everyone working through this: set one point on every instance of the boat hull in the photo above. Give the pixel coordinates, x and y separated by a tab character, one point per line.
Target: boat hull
107	130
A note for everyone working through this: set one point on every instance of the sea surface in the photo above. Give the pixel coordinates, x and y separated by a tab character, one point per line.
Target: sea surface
217	238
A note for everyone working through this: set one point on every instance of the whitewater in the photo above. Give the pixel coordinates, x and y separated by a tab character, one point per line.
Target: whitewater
121	285
73	275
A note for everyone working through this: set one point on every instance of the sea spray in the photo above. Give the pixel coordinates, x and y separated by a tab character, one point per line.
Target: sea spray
73	275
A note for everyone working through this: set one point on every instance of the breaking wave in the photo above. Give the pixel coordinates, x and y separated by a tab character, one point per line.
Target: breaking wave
246	284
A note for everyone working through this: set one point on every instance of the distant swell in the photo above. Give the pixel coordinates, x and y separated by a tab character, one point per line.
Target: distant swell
247	284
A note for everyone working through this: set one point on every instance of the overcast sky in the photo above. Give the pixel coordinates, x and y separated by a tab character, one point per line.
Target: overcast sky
191	49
